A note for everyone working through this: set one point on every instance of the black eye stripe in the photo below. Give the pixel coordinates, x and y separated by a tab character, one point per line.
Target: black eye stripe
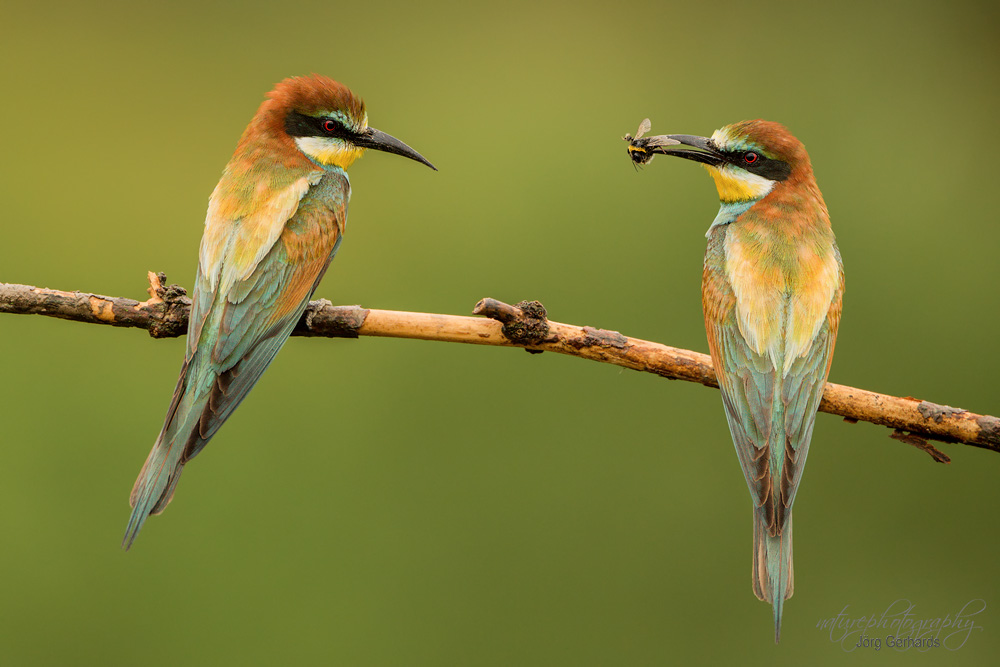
300	125
769	168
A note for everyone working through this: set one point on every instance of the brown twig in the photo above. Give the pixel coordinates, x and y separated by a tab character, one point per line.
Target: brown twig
921	444
525	325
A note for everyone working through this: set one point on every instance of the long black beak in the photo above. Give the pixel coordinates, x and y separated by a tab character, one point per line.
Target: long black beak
706	152
380	141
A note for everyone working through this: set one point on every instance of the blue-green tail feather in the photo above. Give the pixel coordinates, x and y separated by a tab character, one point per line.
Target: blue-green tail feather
160	473
772	566
205	398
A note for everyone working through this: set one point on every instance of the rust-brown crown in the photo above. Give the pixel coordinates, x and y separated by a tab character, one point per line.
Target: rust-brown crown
315	95
772	138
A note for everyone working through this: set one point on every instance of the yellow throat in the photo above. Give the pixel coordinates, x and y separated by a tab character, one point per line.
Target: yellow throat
737	185
333	155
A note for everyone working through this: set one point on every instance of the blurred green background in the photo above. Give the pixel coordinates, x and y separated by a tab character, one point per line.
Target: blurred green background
387	502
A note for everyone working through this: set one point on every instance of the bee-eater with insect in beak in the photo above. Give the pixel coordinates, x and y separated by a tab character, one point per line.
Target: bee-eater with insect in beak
274	222
771	292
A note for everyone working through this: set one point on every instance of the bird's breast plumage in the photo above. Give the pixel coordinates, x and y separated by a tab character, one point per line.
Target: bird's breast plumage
783	285
771	292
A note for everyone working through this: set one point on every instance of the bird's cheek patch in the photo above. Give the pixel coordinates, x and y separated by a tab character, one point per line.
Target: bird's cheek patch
738	185
340	154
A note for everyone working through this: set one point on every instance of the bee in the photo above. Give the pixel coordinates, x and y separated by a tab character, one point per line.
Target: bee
642	150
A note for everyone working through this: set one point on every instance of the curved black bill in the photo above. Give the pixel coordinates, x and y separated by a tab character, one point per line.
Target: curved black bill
705	152
380	141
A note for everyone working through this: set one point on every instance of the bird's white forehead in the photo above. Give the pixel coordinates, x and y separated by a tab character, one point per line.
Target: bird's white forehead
727	140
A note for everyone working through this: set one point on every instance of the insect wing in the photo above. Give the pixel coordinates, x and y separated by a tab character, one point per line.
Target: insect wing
644	127
659	140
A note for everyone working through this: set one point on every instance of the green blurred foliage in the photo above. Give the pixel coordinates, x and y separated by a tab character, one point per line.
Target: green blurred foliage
386	502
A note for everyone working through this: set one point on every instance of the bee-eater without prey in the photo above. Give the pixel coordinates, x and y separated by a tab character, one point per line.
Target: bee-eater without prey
771	290
274	222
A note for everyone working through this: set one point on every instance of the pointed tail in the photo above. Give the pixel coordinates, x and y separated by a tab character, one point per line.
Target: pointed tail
772	566
155	485
158	478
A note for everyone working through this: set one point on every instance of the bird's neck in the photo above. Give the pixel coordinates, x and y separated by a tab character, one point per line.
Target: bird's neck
266	162
795	198
728	212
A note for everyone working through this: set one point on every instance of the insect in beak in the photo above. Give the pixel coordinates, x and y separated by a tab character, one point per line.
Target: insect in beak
642	149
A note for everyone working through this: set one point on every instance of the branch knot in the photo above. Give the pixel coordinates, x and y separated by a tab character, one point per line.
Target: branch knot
525	323
169	306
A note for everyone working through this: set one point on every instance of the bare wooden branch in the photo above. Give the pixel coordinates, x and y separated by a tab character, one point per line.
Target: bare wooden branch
525	325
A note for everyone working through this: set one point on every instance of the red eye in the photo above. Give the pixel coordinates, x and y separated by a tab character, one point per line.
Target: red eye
750	157
329	125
